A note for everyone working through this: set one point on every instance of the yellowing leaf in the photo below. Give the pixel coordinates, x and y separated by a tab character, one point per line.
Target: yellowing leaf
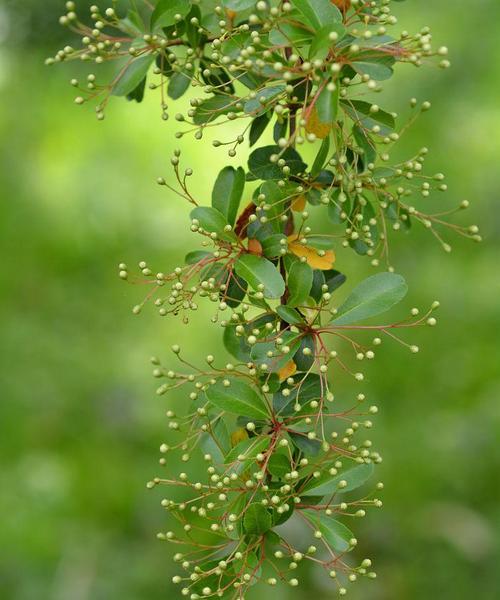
299	203
287	371
313	258
314	125
238	436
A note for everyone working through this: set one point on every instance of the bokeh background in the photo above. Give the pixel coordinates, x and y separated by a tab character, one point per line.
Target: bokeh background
80	422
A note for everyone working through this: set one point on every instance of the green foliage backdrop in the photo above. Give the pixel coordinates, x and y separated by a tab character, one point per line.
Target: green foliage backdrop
80	420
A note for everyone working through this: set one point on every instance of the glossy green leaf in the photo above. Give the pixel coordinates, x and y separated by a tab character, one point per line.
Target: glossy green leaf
212	221
327	484
318	12
321	43
166	10
210	109
334	533
279	465
258	127
376	70
304	444
327	104
247	450
289	315
258	105
279	358
257	519
300	278
227	192
305	390
132	76
196	256
272	246
303	361
178	85
238	5
216	442
290	34
260	165
257	270
235	291
237	398
371	297
362	114
321	157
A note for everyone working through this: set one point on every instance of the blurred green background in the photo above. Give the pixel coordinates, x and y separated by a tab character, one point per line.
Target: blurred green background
80	422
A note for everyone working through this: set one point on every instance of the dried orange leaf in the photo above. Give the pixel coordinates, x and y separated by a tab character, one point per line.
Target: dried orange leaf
287	371
314	125
238	436
313	258
254	247
299	203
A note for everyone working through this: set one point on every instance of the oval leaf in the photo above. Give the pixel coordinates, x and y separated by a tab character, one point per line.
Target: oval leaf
257	519
237	398
327	484
132	76
227	192
371	297
257	270
300	278
212	221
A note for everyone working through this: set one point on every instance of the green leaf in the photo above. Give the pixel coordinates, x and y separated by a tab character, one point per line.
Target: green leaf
318	12
303	361
279	465
238	5
377	70
321	157
304	391
321	42
272	246
334	279
258	127
165	11
237	398
257	270
304	444
260	165
289	315
361	113
371	297
212	108
247	450
278	359
334	533
300	278
137	93
178	85
216	442
196	256
235	291
133	75
366	144
237	345
227	192
327	485
290	34
258	105
327	104
257	519
212	221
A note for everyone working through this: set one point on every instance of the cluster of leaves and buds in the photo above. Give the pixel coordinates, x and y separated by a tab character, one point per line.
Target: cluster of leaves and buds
267	424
